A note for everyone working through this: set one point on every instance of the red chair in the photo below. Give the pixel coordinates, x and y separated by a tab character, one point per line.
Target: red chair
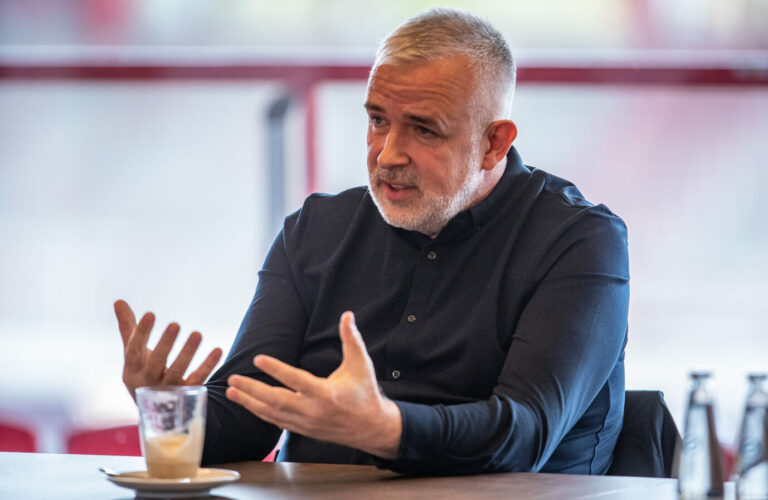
272	455
123	440
13	438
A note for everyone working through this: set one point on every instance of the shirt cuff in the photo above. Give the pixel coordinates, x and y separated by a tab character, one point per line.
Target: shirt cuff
421	438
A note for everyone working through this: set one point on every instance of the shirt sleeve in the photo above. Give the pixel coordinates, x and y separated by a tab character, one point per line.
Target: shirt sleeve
567	343
273	325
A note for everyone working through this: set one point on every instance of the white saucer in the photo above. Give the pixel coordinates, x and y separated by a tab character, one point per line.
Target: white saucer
149	487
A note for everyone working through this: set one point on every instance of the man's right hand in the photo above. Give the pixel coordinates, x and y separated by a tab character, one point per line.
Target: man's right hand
146	367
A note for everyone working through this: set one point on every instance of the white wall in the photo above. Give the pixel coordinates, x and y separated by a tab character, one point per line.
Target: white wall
156	193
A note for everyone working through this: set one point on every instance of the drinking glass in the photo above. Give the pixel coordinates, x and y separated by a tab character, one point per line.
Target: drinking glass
172	429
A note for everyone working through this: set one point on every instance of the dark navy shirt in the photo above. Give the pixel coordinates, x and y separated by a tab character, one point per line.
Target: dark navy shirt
501	340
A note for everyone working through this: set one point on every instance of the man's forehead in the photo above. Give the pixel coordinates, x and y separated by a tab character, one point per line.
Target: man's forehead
454	67
422	91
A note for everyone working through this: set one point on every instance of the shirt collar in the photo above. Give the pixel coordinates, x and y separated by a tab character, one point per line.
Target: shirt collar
514	171
464	223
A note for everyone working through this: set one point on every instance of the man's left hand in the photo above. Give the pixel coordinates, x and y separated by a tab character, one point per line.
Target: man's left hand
346	408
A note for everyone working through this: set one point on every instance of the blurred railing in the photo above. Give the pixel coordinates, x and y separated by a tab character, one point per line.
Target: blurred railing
303	74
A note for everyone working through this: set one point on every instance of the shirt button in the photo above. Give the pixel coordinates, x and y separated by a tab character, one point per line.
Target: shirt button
431	255
395	374
411	318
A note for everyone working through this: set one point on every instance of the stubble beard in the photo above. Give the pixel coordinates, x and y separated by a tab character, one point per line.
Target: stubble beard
429	213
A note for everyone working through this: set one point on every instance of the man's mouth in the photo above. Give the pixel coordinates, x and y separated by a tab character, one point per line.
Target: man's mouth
397	191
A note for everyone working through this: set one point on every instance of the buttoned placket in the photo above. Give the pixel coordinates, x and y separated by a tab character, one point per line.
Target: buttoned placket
424	277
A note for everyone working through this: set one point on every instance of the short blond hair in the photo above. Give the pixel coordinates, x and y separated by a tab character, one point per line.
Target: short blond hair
443	32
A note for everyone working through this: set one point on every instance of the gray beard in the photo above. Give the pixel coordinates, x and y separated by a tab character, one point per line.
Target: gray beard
438	211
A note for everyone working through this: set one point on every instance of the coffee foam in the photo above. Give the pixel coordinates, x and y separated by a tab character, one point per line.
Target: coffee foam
175	455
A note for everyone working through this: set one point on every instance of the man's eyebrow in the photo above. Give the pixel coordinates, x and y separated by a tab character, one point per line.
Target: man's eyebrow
423	120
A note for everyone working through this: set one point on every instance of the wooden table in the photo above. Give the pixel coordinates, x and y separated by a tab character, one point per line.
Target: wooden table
46	476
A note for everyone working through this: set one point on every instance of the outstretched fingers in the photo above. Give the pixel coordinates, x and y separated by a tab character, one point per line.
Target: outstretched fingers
175	373
157	360
136	347
294	378
126	320
200	375
273	404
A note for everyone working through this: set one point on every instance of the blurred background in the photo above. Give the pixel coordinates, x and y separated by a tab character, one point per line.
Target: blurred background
149	150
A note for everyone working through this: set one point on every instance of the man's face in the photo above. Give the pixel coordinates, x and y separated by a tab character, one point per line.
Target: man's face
424	159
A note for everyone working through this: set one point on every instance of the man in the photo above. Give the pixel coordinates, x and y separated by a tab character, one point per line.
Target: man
489	299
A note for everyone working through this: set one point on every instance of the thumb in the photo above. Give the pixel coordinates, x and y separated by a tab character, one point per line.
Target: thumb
355	355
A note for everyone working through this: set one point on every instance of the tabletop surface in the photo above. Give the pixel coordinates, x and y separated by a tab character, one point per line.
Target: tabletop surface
43	476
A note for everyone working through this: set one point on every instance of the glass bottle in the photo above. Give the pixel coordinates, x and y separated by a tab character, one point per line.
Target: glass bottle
751	471
700	468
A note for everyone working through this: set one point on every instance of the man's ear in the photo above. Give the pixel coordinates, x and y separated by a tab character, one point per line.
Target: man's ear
499	137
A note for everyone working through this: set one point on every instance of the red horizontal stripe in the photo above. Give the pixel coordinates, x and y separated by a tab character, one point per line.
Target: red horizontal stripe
310	74
182	72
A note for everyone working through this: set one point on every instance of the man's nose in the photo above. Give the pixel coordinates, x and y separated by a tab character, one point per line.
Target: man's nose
393	153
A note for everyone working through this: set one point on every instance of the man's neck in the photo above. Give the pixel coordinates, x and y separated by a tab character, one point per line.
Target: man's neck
490	178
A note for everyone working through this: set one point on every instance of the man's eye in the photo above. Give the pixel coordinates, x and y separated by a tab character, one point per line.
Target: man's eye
424	131
376	120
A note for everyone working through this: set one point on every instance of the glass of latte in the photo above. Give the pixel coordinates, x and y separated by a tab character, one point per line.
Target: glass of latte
172	428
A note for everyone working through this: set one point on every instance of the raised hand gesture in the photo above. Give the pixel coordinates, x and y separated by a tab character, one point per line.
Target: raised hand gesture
346	408
147	367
